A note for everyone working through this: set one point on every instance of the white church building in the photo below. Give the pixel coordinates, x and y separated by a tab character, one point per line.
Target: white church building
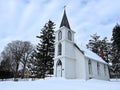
74	62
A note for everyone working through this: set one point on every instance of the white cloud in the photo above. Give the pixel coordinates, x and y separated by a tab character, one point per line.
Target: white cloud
97	16
26	16
23	19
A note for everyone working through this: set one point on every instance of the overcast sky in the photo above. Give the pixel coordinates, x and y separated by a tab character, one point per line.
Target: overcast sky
23	19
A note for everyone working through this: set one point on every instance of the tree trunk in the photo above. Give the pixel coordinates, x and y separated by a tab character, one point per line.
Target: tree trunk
23	71
16	72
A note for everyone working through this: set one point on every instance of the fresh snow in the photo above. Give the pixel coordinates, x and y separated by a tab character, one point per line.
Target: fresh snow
60	84
92	55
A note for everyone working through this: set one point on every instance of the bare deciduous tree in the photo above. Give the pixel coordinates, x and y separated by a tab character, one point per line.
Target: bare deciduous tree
18	52
27	51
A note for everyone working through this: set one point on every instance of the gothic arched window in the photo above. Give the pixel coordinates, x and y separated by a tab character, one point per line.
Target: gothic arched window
90	66
59	35
59	49
69	35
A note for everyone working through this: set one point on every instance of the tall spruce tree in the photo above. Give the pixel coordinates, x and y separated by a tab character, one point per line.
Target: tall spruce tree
94	44
44	53
105	50
116	49
100	47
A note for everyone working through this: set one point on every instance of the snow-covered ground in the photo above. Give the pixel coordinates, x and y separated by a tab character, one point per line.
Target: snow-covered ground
60	84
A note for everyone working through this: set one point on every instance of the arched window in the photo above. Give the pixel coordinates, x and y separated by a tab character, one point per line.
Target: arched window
98	68
105	69
69	35
59	49
90	66
59	63
59	35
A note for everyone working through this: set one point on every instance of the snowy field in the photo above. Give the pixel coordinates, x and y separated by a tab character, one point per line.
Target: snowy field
60	84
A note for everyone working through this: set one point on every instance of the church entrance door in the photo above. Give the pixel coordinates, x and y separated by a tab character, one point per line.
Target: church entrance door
59	71
59	68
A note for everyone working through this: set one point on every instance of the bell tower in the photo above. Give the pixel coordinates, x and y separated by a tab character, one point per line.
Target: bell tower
64	61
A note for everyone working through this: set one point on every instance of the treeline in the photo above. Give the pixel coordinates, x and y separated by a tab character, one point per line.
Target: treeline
21	59
4	74
108	50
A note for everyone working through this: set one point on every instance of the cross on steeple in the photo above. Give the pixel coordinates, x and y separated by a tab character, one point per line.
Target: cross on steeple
64	21
65	7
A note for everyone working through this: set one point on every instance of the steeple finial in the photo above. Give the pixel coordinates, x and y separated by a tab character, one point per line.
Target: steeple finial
64	21
65	7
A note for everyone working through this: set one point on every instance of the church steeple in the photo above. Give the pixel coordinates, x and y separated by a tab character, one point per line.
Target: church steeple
64	21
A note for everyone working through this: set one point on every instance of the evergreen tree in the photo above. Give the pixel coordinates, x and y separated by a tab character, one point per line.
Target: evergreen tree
116	49
94	44
5	69
105	50
44	53
100	47
34	65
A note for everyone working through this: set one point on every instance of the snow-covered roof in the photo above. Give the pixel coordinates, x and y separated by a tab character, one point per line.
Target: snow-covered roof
91	54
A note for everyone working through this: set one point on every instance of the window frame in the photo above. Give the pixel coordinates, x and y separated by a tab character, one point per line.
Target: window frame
98	68
69	35
90	66
105	70
59	35
59	49
59	63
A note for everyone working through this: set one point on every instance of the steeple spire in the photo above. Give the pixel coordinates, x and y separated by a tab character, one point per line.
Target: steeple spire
64	21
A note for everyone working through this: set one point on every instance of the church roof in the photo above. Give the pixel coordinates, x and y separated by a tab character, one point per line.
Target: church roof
90	54
64	21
